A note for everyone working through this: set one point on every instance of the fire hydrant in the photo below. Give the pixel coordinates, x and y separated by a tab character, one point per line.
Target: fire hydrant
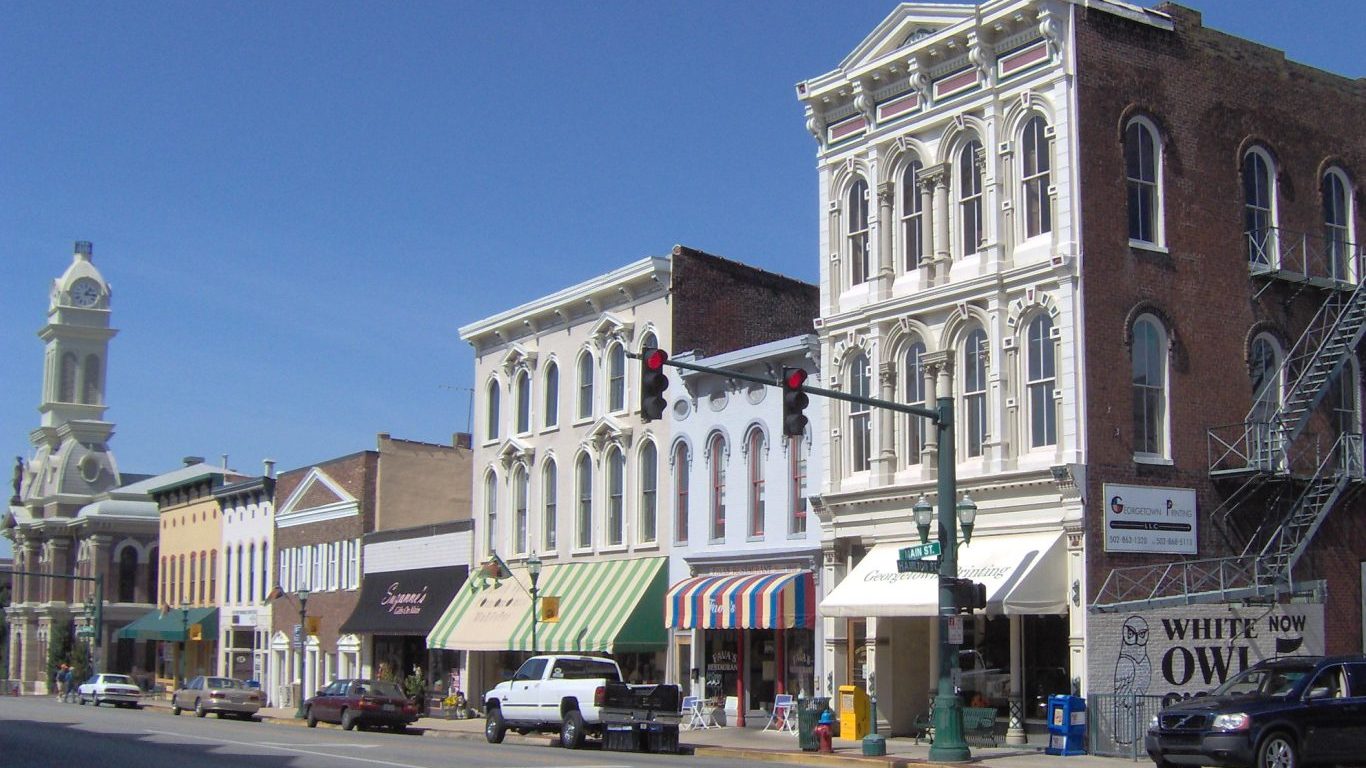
823	732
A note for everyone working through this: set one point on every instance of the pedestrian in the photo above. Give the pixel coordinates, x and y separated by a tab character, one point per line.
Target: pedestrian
62	682
70	685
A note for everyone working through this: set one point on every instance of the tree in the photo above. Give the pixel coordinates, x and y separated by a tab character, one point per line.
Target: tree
81	668
58	648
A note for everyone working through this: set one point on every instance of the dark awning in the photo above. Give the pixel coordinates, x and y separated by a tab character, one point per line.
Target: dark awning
404	602
173	625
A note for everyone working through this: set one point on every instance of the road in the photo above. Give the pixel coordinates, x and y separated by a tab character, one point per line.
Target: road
40	732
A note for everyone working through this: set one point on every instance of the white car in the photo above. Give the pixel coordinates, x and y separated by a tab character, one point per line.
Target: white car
118	690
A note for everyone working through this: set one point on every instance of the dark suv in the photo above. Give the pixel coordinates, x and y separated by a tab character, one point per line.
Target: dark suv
1280	713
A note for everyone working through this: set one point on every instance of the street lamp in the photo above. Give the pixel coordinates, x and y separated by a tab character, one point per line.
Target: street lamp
967	515
924	515
533	569
184	641
303	643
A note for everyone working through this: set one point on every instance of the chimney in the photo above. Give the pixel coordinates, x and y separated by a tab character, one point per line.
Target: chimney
269	465
190	461
225	460
84	249
462	440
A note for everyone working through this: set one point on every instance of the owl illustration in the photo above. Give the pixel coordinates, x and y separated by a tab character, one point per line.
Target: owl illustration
1133	674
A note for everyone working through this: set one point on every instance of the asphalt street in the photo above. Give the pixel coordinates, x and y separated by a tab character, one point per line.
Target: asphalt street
40	732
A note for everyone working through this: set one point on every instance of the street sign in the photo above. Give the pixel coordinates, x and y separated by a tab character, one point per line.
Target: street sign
85	632
917	566
955	630
918	551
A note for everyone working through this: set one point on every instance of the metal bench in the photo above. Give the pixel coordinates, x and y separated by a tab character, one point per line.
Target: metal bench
978	722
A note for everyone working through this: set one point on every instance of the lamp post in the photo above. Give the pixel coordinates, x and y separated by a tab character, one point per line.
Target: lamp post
303	643
949	745
533	569
184	642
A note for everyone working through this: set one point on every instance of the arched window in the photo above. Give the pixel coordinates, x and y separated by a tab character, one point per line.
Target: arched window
492	390
649	341
182	586
1149	357
970	197
1041	380
616	378
549	516
491	512
583	528
912	215
1264	367
1036	159
860	416
90	379
718	487
228	595
128	575
190	585
649	493
552	394
856	232
585	386
67	379
523	402
1336	222
1258	211
914	376
251	571
1142	169
975	392
265	571
616	501
796	465
521	486
682	471
756	483
244	572
212	596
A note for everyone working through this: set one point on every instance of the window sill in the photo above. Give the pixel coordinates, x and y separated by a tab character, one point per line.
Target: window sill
611	548
550	428
753	538
796	536
582	421
1158	461
647	546
1144	245
716	542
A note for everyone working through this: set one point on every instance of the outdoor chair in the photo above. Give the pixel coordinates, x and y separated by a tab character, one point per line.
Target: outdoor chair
782	719
698	716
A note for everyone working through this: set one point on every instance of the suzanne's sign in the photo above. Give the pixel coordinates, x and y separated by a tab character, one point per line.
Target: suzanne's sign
399	603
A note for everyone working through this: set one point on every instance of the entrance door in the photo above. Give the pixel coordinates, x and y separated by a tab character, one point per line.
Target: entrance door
761	658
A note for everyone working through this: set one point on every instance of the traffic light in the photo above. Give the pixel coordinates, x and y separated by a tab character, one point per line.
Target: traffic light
653	382
969	595
794	402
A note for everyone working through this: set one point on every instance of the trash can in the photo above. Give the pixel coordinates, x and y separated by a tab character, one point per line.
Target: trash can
1066	725
621	737
657	737
808	716
853	717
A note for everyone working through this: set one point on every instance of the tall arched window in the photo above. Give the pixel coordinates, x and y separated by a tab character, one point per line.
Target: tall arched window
228	580
194	570
265	571
856	231
549	514
860	416
970	197
583	528
718	487
521	489
212	596
1036	159
183	591
649	493
1142	166
975	392
616	378
914	376
1041	380
492	416
1258	213
616	501
796	494
585	386
251	572
552	394
1149	356
523	402
244	572
128	575
756	451
90	381
1264	368
67	379
1336	223
912	217
682	472
491	512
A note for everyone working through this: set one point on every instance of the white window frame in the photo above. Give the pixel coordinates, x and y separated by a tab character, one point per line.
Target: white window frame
1162	390
522	417
913	374
1137	129
717	488
550	505
551	379
583	386
860	415
976	370
1263	249
1036	144
1041	381
648	465
491	413
583	502
856	232
682	467
521	512
614	482
970	197
491	511
616	378
756	448
1338	226
912	215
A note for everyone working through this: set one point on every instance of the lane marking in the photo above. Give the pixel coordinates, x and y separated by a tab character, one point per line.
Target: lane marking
295	750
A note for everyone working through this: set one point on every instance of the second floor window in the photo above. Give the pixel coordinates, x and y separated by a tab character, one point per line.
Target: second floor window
796	463
970	197
649	492
682	470
552	394
583	523
1335	225
860	416
756	483
616	378
550	515
912	218
718	488
585	386
616	501
1043	419
521	489
1037	161
491	512
857	233
1149	387
1257	213
1140	170
523	402
975	392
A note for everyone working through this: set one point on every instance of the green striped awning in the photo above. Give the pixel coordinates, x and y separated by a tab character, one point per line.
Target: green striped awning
172	625
607	606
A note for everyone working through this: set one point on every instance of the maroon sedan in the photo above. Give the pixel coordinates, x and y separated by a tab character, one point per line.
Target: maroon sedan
356	702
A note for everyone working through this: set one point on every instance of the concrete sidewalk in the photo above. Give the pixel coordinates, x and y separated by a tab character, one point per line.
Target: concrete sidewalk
752	744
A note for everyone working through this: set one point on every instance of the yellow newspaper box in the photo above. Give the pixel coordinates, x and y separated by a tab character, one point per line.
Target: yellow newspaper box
853	712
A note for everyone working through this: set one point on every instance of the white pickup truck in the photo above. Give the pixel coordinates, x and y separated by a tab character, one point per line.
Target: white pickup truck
551	693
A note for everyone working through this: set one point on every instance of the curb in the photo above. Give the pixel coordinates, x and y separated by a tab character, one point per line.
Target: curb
806	758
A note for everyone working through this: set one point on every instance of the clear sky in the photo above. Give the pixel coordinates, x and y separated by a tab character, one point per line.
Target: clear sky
298	203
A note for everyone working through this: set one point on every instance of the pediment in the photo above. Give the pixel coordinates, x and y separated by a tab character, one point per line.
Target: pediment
518	357
609	327
906	25
607	431
317	489
513	451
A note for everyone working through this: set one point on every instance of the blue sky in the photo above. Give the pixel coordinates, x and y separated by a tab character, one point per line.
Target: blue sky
299	203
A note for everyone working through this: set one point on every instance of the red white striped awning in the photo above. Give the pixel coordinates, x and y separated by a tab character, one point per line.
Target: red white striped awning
776	600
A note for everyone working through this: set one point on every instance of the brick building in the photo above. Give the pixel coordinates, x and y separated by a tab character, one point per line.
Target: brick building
1105	232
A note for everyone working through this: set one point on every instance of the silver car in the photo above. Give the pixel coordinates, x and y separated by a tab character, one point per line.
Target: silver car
118	690
223	695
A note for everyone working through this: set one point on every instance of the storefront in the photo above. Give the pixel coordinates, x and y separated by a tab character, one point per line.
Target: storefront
752	637
194	630
610	607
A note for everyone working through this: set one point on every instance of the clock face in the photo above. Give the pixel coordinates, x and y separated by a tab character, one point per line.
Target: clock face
85	292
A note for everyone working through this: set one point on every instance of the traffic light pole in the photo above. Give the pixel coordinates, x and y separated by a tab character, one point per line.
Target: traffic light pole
949	745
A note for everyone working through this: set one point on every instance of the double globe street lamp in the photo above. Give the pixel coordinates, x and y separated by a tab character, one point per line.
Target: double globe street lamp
533	569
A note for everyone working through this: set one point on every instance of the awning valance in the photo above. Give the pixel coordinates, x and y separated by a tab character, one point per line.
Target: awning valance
610	606
404	602
779	600
173	625
1023	574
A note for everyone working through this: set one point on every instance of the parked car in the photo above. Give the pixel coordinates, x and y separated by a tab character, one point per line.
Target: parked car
355	702
119	690
1281	713
221	695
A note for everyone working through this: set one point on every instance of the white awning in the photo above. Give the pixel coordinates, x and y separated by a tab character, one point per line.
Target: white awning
1023	573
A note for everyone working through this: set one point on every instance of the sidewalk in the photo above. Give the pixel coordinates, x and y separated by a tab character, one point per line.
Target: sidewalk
761	746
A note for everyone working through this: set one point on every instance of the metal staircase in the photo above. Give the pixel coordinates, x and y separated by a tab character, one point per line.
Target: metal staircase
1262	451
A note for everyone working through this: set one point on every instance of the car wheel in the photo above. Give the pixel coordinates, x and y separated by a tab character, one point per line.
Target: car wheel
495	728
80	700
199	710
571	731
175	706
1277	751
348	720
312	721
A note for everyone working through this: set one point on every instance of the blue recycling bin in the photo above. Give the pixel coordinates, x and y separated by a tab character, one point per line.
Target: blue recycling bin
1066	725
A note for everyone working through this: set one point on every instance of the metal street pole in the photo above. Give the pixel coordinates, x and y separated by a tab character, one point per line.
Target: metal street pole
184	642
303	642
949	745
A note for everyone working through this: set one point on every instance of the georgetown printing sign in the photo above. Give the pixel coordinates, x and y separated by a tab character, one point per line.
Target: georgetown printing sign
1149	519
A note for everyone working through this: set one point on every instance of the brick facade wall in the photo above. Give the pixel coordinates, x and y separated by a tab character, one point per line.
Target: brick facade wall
721	305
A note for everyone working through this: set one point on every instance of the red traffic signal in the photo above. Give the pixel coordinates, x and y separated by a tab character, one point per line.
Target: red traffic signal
653	382
794	402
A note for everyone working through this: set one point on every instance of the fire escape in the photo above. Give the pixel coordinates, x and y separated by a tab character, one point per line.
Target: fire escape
1285	479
